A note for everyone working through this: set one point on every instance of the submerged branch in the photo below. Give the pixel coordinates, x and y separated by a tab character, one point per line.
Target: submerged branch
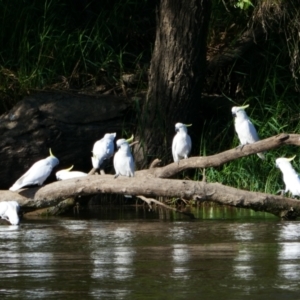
149	201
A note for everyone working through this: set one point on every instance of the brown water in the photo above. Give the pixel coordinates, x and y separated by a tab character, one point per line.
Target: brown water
224	254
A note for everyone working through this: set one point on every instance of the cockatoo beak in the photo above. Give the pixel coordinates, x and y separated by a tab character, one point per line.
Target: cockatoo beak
130	139
291	158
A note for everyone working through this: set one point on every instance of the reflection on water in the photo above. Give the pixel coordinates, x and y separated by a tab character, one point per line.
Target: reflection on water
219	256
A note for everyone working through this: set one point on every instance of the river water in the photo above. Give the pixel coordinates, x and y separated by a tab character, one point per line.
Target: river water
137	254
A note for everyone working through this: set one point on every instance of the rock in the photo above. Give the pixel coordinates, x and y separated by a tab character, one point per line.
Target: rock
67	123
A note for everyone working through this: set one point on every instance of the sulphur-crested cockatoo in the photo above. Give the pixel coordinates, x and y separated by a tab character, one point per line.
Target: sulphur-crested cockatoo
244	128
38	173
123	160
182	144
9	212
290	176
67	174
103	149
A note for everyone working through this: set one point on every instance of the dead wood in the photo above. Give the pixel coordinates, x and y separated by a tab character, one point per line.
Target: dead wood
52	194
223	157
93	171
152	183
151	201
156	162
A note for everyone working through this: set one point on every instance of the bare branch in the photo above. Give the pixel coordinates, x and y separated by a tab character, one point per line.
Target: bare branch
223	157
133	143
150	200
155	163
93	171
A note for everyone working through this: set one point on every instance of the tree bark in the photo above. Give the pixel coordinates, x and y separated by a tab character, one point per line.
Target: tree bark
223	157
67	123
52	194
176	74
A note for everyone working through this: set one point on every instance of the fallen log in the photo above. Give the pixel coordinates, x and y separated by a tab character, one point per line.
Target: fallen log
52	194
152	182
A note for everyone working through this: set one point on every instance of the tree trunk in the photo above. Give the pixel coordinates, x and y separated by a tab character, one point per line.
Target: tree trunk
176	74
67	123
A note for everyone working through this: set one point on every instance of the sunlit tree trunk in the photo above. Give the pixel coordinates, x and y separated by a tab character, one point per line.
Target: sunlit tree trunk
176	75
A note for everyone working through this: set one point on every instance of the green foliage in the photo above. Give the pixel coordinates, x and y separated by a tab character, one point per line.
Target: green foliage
263	77
70	43
243	4
272	113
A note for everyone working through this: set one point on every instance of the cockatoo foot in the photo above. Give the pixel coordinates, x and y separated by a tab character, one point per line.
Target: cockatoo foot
240	147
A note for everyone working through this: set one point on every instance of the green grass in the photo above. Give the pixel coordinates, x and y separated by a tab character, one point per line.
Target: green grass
264	79
51	44
274	109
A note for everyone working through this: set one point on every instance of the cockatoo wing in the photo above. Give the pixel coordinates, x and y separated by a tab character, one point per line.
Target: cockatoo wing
292	183
124	164
127	166
102	150
174	148
130	166
99	148
117	162
110	148
246	132
253	136
37	174
188	144
181	146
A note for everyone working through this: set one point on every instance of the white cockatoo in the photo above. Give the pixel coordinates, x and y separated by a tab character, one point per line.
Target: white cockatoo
182	144
67	174
37	174
123	159
9	212
290	177
244	128
103	149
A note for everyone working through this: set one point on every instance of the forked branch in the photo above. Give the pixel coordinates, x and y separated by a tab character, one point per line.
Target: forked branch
153	183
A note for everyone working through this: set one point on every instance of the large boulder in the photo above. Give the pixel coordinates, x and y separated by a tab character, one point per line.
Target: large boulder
67	123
